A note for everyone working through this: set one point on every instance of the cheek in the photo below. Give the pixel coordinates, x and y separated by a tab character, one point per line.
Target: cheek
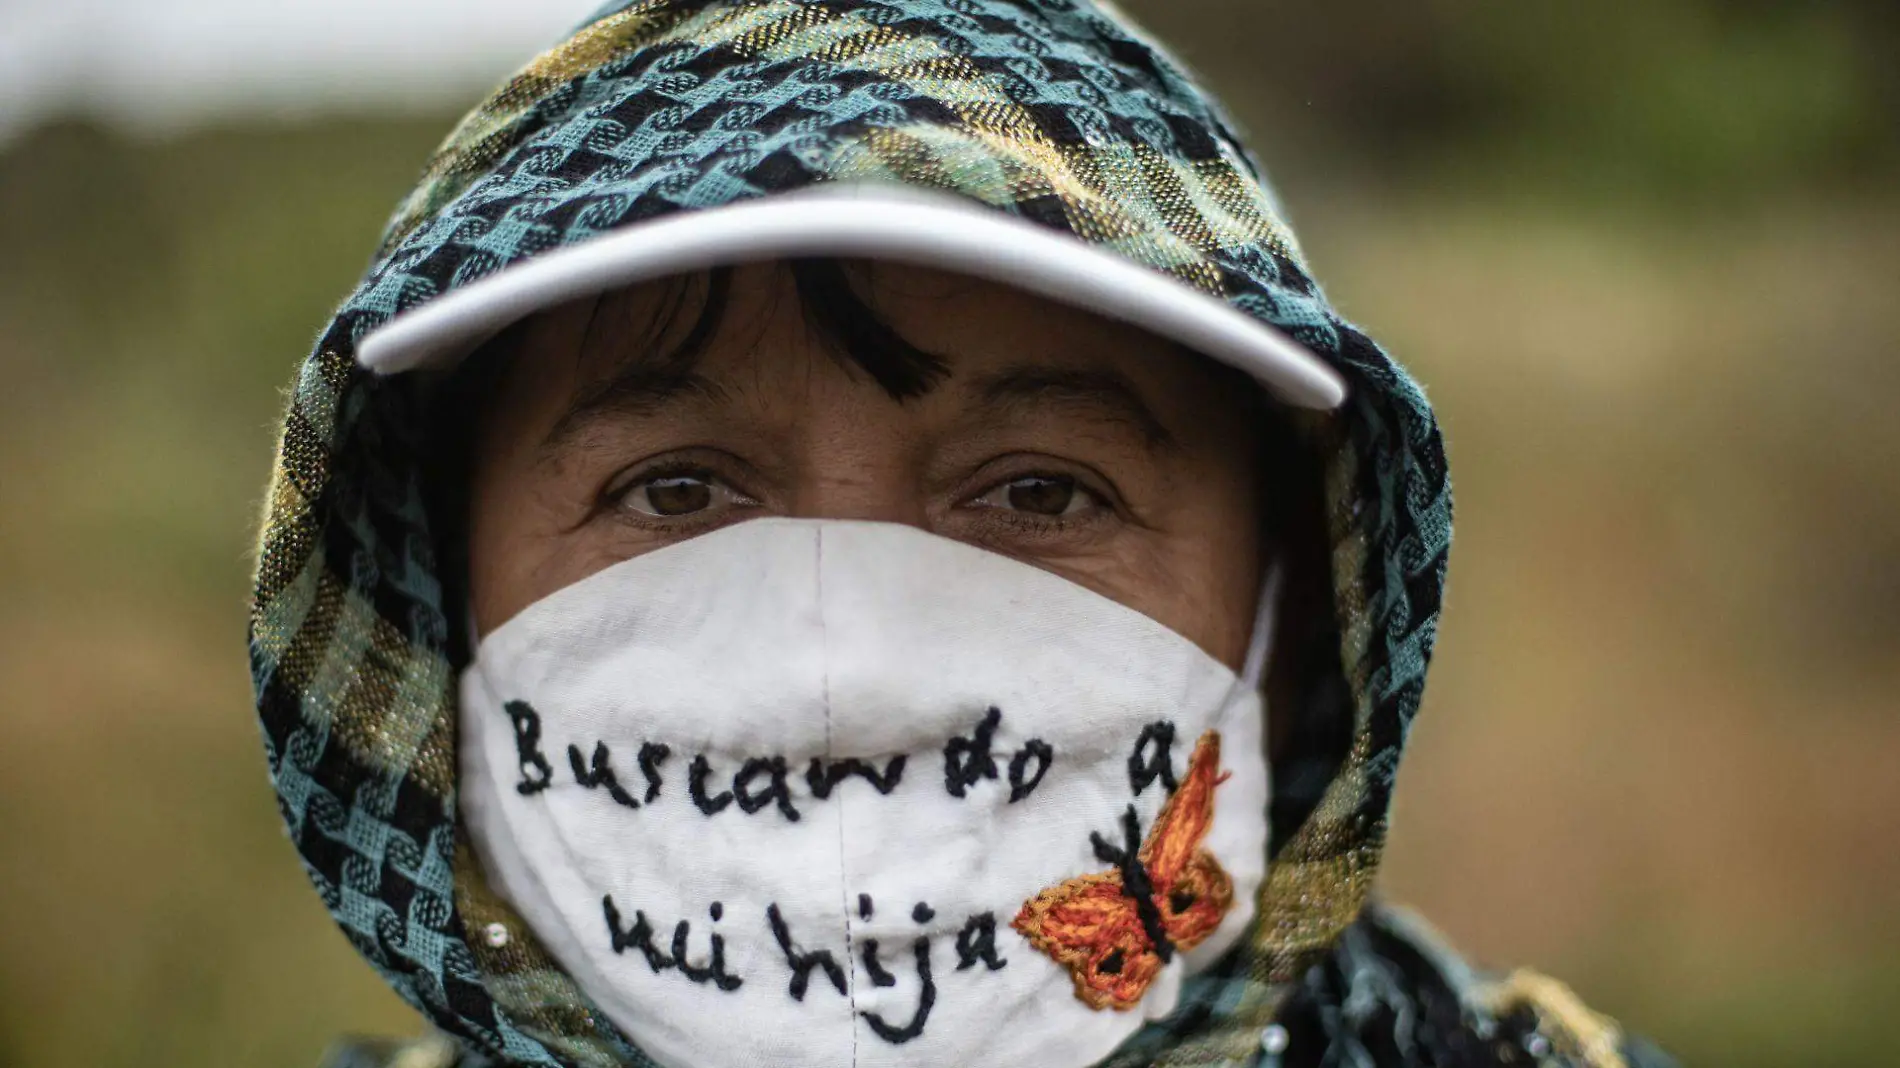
521	547
498	583
1199	566
1226	603
1203	586
1215	569
1210	594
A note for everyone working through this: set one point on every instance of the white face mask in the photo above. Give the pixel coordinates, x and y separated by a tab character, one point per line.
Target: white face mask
824	794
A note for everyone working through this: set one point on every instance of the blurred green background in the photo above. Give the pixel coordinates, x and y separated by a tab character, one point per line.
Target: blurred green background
1644	253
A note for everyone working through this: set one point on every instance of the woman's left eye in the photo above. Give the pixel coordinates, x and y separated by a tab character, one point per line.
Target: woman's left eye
1047	495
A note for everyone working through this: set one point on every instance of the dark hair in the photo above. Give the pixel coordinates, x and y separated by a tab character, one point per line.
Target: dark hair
851	330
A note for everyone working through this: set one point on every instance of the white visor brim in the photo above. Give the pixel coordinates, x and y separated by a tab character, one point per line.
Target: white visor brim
858	221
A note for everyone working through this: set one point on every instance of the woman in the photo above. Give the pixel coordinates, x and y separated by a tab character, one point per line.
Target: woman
844	533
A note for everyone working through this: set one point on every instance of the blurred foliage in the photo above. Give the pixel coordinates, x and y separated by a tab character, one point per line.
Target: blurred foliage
154	299
1643	254
1673	98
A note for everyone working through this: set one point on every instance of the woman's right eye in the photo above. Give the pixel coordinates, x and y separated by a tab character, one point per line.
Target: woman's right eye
680	494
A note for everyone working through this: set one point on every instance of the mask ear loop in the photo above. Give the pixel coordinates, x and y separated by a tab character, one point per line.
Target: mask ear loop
1266	613
474	635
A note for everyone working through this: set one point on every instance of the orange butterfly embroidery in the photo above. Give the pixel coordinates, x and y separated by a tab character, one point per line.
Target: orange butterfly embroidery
1115	930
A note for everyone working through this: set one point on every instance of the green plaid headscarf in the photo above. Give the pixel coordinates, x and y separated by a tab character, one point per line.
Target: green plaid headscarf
1056	111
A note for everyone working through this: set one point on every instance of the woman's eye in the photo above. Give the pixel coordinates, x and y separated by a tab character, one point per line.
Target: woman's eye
1050	495
667	496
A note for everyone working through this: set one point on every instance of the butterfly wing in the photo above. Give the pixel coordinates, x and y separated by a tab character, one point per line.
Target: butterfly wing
1089	926
1185	819
1193	906
1192	891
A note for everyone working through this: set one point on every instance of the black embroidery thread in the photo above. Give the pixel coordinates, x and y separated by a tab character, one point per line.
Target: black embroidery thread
775	791
879	977
802	963
822	778
696	786
602	773
977	943
715	972
1135	882
926	998
967	761
527	724
652	755
1043	753
1160	765
640	938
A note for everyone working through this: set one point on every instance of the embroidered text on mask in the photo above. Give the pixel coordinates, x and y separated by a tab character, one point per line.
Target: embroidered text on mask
968	761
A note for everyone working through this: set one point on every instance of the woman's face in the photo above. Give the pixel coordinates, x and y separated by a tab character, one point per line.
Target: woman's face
1059	438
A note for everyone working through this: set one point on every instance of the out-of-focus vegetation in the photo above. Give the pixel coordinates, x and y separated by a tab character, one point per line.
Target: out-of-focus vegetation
1678	99
1643	253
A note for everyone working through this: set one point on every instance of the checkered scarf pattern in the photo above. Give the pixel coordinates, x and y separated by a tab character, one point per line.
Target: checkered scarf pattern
1055	111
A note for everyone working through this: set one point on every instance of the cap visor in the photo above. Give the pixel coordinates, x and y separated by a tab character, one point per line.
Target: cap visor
860	221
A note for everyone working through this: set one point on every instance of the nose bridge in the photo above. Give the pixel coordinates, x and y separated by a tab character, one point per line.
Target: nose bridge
859	467
859	494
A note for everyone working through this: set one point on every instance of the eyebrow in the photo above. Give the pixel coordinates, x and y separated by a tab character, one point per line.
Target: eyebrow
1093	391
649	381
644	385
638	389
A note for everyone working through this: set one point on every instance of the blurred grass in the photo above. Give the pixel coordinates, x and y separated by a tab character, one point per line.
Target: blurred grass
154	299
1657	758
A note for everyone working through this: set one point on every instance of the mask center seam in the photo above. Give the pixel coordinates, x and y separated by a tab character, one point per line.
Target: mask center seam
844	889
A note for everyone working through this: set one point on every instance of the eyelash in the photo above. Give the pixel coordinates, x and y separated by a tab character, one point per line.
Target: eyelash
614	498
1106	504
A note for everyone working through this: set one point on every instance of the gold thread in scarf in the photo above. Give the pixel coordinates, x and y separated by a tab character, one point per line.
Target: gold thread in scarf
539	998
1577	1032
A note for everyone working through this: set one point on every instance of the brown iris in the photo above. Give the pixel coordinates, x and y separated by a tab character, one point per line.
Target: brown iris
1042	494
679	495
